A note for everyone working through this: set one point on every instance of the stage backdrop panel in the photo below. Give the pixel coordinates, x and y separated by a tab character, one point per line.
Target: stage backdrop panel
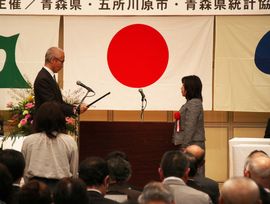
143	142
122	54
24	41
242	71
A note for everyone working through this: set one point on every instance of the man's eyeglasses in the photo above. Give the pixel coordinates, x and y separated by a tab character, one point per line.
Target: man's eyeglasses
62	61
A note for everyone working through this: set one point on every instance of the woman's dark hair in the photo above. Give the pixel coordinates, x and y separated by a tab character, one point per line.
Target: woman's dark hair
193	87
49	118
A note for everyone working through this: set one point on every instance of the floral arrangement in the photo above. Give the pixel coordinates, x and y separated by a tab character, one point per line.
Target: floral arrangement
22	112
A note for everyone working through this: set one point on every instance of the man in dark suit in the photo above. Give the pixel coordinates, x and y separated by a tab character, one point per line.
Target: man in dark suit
199	179
173	171
194	167
14	161
94	172
45	85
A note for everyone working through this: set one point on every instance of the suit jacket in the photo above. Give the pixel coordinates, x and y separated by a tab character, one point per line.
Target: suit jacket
192	184
185	194
121	188
15	199
208	183
191	122
264	195
96	198
46	89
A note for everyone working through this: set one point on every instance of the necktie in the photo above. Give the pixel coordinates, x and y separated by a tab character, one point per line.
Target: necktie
54	78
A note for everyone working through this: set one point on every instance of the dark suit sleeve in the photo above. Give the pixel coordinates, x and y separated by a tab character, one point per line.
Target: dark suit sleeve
46	89
267	130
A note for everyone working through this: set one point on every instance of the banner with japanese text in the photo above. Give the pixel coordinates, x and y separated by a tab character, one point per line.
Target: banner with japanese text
24	41
134	7
242	71
122	55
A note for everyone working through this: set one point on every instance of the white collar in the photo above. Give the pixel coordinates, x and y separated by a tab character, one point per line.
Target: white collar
50	71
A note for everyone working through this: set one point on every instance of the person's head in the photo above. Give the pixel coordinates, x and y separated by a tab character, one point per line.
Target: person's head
254	154
239	190
70	191
54	59
198	152
35	192
94	172
156	193
258	169
119	170
192	87
15	163
114	154
6	189
174	163
193	165
50	118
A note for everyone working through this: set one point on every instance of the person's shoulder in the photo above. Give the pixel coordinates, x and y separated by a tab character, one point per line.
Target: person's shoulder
195	101
68	139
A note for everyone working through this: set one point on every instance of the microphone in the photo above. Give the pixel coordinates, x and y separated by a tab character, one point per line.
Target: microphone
84	86
143	96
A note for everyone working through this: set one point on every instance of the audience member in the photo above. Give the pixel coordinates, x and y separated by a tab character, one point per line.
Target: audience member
119	174
252	155
174	172
6	190
239	190
193	166
70	191
156	192
94	172
258	169
123	155
50	154
35	192
199	179
15	163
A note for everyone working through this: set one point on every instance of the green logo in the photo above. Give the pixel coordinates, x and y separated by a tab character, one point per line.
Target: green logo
10	76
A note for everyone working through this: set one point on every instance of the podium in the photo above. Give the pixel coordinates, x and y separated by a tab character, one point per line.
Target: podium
240	148
143	142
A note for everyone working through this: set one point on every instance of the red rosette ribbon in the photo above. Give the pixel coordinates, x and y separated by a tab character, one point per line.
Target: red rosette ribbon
177	117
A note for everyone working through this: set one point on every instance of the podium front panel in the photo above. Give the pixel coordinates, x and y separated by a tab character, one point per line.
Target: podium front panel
143	142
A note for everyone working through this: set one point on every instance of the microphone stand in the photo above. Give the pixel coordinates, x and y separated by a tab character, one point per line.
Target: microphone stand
79	113
143	107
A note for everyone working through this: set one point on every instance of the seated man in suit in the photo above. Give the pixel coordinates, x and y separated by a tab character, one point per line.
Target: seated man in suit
174	172
124	156
94	172
199	179
240	190
193	166
119	174
258	169
70	191
15	163
156	192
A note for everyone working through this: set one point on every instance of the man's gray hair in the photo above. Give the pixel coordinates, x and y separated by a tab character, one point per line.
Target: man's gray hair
52	52
156	191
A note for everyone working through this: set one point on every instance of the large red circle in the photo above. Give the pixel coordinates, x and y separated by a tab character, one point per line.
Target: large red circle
137	56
